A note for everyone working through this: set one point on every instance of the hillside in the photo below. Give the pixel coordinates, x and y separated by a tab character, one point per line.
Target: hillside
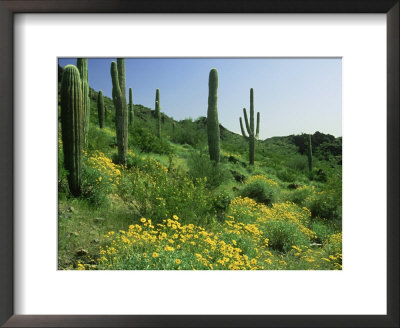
172	208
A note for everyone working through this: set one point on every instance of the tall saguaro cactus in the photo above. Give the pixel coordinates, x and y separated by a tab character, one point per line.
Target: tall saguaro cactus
158	113
72	126
253	135
130	107
309	153
82	64
212	116
121	112
100	108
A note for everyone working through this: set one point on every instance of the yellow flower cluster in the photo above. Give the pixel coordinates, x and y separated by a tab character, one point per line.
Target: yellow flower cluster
262	178
321	258
106	168
172	244
239	243
287	212
152	164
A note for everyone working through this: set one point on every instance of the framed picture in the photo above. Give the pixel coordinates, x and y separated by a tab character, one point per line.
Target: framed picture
182	164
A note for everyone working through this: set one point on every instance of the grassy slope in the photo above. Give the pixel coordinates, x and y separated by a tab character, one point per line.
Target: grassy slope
84	222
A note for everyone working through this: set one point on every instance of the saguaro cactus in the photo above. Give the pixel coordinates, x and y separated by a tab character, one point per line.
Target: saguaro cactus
130	107
158	113
72	126
105	113
82	64
309	153
212	116
121	112
100	108
250	127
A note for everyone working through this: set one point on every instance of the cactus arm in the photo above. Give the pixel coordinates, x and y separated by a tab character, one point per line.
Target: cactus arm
241	128
250	127
116	91
246	120
258	125
82	65
121	75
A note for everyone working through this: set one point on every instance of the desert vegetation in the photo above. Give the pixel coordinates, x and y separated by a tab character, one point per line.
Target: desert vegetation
139	190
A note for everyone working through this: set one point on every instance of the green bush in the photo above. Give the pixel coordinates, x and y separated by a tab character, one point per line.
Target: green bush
95	191
323	230
260	191
298	195
325	205
200	167
221	204
297	162
101	138
283	235
317	175
149	143
286	175
152	192
191	133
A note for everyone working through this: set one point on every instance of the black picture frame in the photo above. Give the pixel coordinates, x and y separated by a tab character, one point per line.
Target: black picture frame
10	7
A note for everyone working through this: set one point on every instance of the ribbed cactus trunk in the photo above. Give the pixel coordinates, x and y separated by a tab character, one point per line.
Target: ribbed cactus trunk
82	64
212	116
158	113
100	108
105	113
250	128
309	154
121	112
72	126
130	108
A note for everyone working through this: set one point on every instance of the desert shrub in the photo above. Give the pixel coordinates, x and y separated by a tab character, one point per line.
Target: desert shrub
283	235
100	177
93	190
317	175
333	244
286	175
147	142
261	190
297	162
322	229
327	203
189	132
200	167
221	203
131	160
151	191
298	195
327	257
101	138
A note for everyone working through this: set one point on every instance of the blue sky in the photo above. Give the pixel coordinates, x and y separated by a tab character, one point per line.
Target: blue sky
293	95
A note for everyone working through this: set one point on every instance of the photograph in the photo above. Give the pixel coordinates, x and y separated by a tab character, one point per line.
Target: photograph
199	163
